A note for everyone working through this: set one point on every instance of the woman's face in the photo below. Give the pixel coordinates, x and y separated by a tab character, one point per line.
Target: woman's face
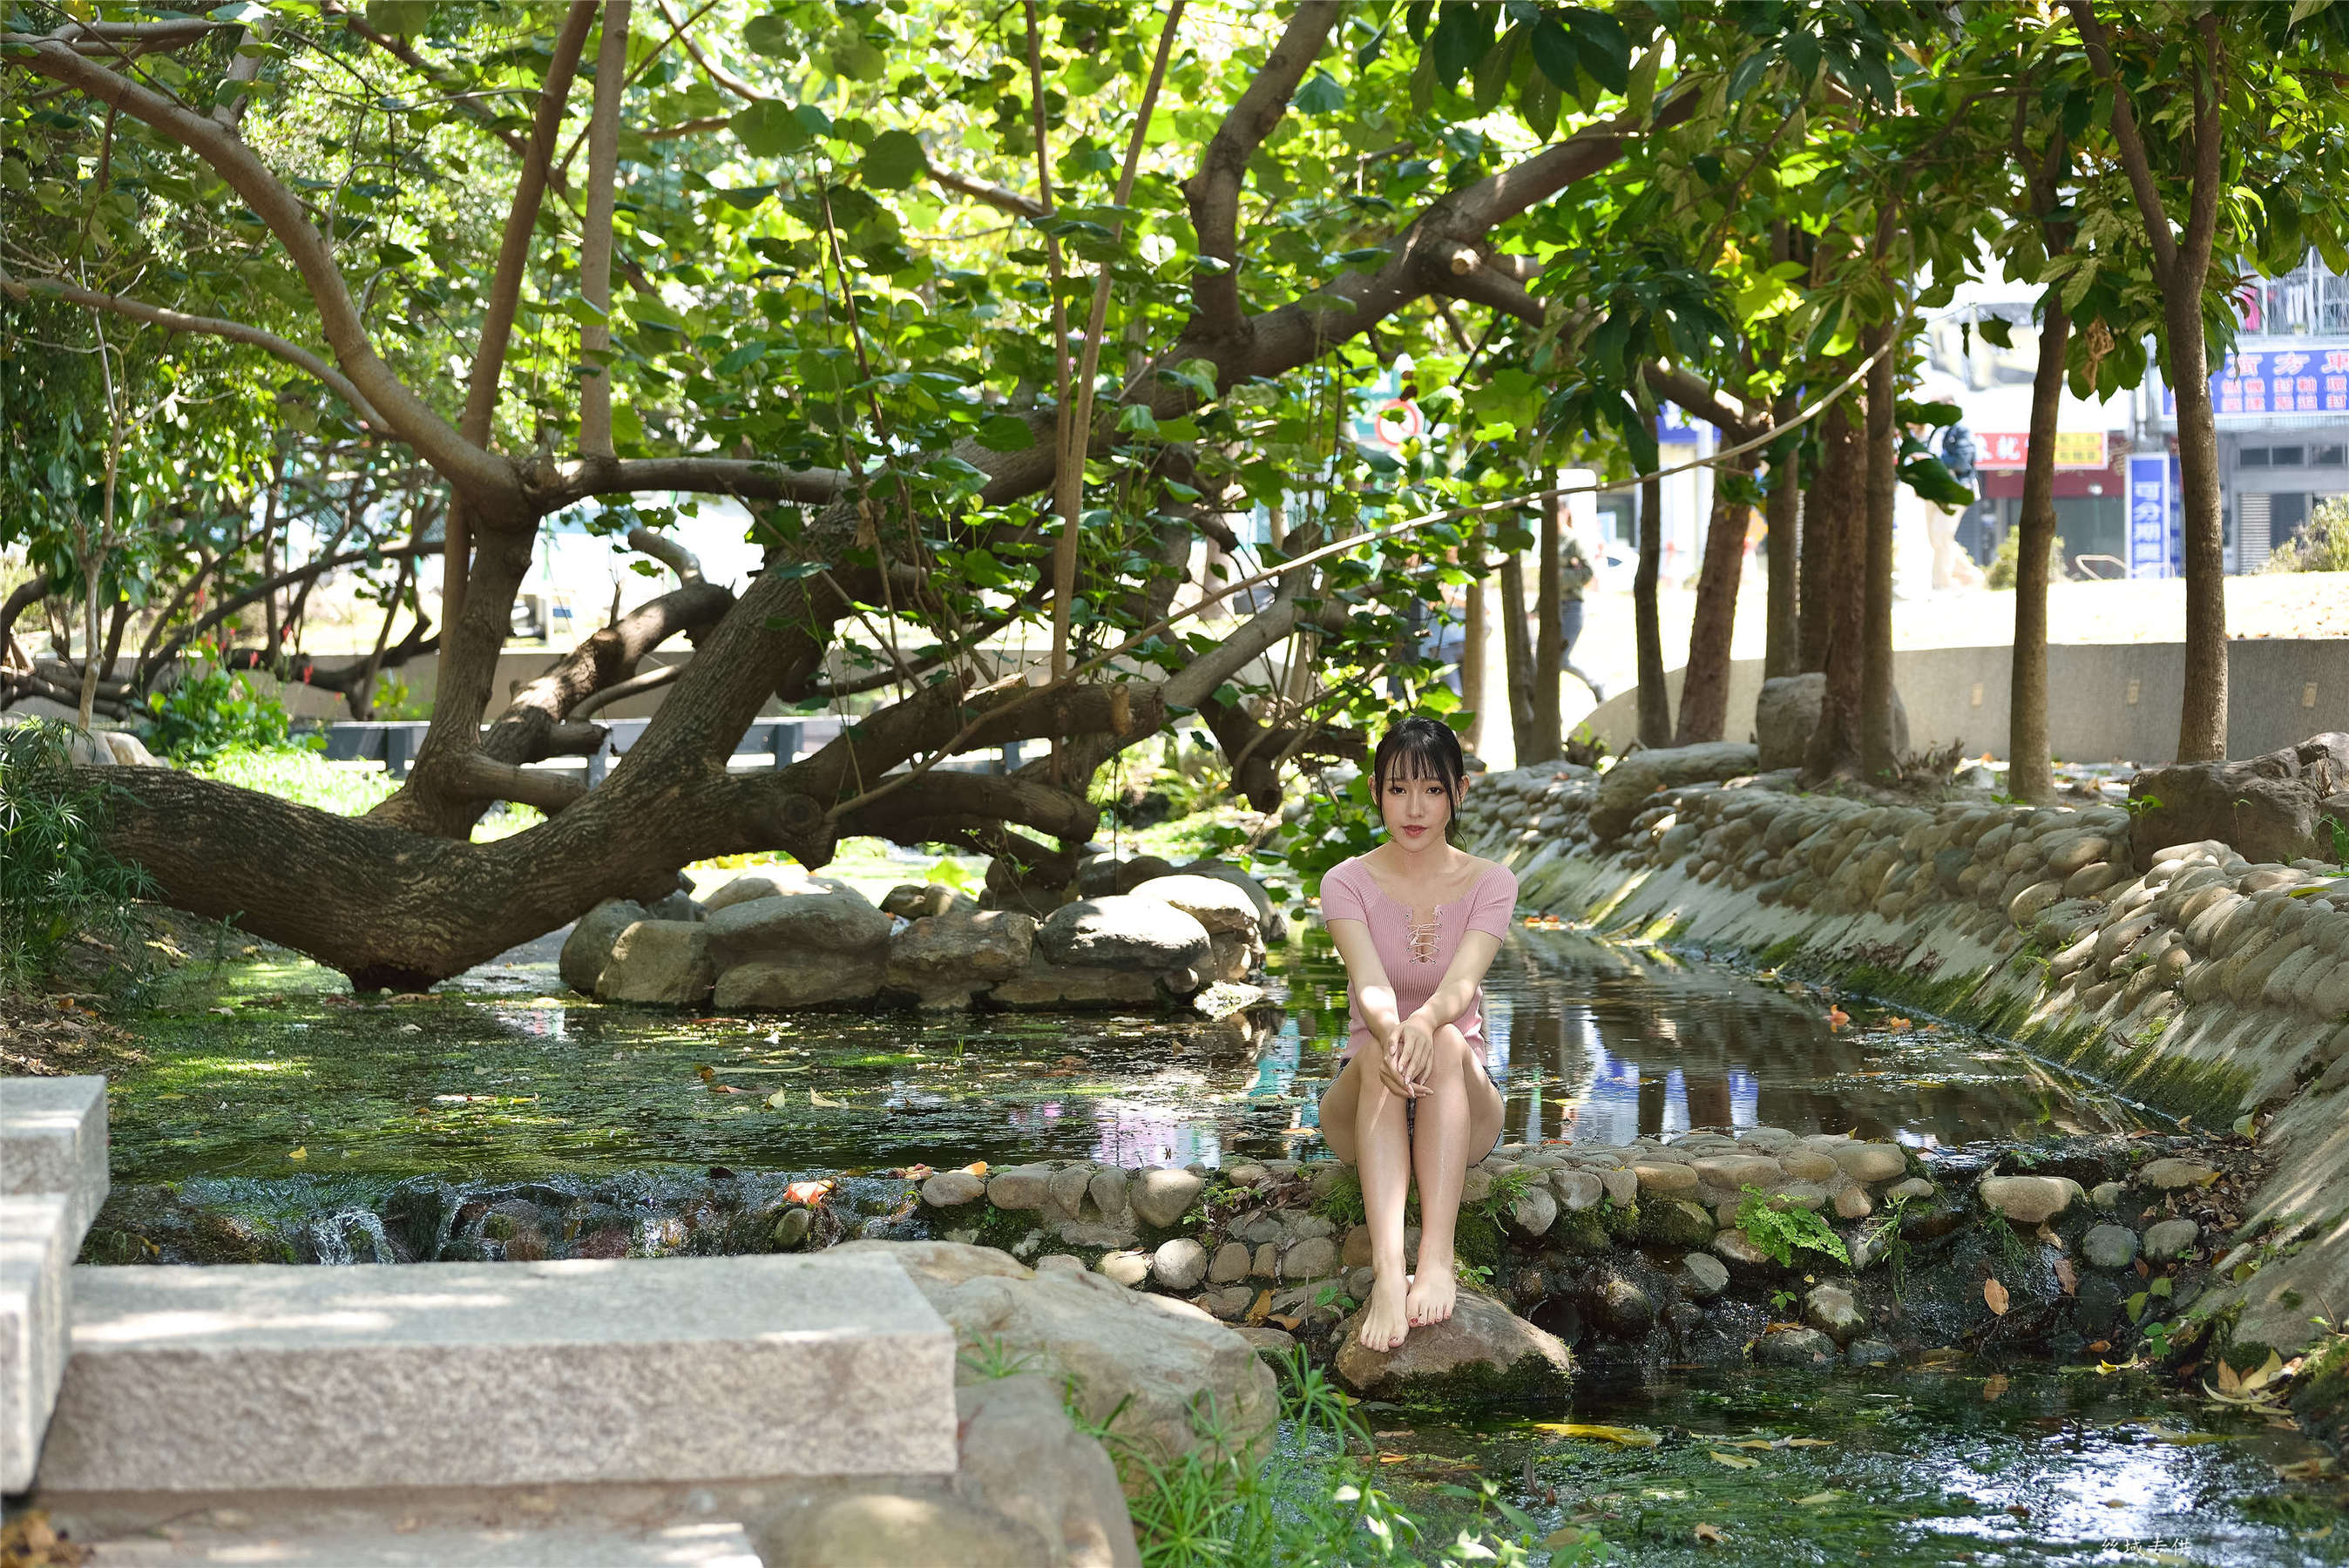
1415	809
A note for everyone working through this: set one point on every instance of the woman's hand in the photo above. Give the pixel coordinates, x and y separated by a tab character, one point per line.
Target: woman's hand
1391	1076
1413	1053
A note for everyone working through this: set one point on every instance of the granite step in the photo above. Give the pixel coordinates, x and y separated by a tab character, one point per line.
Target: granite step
287	1377
53	1140
719	1545
37	1250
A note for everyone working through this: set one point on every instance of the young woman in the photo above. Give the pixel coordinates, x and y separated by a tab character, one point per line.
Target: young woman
1417	921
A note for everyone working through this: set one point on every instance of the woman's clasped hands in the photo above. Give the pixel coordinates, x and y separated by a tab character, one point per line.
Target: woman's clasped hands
1407	1059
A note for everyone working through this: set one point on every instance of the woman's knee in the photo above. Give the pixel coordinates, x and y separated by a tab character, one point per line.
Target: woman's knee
1452	1045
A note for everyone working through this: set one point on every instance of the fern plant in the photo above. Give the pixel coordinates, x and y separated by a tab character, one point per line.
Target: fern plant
1782	1233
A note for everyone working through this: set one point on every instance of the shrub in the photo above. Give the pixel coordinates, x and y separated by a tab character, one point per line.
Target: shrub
2007	563
211	709
2321	545
56	875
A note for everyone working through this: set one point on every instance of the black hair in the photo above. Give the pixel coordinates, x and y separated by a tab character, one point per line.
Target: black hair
1419	748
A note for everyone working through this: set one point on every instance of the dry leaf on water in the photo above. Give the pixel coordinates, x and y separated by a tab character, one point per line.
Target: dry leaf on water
1709	1535
1627	1437
2068	1276
808	1193
1994	1296
1734	1462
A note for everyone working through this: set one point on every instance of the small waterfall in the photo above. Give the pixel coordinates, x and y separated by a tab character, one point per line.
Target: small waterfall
348	1237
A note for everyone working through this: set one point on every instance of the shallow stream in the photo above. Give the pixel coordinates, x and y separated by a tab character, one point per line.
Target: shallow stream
270	1092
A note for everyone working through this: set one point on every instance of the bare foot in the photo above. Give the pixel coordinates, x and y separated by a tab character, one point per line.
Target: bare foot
1383	1323
1433	1291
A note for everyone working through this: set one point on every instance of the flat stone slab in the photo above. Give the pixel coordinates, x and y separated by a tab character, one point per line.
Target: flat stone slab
221	1378
53	1140
37	1250
719	1545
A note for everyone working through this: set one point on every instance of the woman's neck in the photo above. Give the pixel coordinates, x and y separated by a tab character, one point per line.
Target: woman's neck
1433	863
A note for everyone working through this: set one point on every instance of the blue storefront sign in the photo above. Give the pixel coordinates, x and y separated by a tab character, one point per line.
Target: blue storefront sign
2148	515
2305	379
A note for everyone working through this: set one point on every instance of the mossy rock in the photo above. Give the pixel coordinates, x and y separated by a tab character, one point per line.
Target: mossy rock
1675	1222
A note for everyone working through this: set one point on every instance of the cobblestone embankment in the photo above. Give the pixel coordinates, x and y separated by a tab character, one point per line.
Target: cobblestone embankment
2189	978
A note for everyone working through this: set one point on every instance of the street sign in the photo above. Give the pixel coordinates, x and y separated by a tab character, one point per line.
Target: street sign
2148	514
2011	448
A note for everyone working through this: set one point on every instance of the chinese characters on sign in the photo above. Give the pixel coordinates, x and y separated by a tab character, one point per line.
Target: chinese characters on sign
2306	378
2148	515
2009	448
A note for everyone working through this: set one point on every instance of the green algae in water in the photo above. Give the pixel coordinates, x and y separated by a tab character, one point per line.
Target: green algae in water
1913	1468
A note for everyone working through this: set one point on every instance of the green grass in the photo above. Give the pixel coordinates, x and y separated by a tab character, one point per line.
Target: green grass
300	775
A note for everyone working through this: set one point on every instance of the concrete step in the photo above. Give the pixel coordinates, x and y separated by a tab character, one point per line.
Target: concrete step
37	1250
204	1380
719	1545
53	1140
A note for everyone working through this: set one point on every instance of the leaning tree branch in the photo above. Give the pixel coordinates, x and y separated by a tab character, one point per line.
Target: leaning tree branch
553	486
1002	197
1214	192
30	592
2129	142
236	603
291	353
596	244
465	464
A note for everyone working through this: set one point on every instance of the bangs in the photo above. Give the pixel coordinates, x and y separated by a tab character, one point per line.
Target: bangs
1419	748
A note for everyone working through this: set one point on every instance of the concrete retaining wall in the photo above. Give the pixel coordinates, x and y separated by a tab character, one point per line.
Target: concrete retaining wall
2207	986
2105	700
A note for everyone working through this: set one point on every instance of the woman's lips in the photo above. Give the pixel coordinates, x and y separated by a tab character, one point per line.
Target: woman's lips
1414	831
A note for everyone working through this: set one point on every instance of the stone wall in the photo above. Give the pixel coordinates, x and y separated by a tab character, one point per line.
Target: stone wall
2205	986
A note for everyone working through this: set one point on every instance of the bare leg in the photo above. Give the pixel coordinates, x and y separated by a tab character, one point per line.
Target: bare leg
1458	1120
1362	1120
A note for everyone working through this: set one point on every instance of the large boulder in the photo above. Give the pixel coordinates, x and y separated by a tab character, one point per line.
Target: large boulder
1483	1354
1235	935
1121	931
664	961
2269	807
1106	874
743	889
942	959
822	914
1270	924
589	946
1623	791
1044	984
1788	711
810	979
911	900
1141	1362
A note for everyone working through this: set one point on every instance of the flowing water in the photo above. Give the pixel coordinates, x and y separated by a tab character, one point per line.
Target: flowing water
270	1092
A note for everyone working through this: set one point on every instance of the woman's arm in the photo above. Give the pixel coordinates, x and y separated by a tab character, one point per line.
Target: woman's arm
1450	998
1373	995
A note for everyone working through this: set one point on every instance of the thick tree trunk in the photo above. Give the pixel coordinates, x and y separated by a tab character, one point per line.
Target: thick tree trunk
1835	745
1781	650
1705	687
1549	646
1655	702
2031	774
1517	654
1876	759
2202	717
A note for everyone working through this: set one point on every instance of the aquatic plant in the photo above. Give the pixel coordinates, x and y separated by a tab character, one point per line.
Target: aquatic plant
1780	1233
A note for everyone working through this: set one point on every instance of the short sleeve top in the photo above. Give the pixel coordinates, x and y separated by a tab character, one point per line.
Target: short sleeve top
1349	892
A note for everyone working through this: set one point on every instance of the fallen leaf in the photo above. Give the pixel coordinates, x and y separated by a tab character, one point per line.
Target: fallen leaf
1626	1437
1994	1296
1709	1535
810	1193
778	1099
1896	1024
1817	1498
2099	1346
1283	1320
2182	1440
1566	1535
976	1168
815	1099
1262	1308
1993	1386
2267	1373
2068	1276
1734	1462
301	1152
1810	1442
2230	1380
1836	1018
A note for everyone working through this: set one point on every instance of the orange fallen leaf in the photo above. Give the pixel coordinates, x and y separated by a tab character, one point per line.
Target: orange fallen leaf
2068	1275
1262	1307
1993	1386
1283	1320
810	1194
1896	1024
2100	1346
1709	1535
976	1168
1836	1018
1994	1296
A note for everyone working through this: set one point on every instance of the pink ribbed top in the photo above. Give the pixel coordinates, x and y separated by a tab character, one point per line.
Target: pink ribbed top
1349	892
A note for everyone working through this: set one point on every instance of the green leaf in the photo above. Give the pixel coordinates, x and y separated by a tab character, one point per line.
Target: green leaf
1604	50
1554	52
894	162
1998	333
770	35
1748	71
1006	433
769	130
401	18
1319	95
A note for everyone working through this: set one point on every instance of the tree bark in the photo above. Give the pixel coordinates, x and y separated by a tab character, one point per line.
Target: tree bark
1781	650
1834	746
1704	685
596	245
1549	650
2030	773
1878	760
1826	507
1472	659
1517	652
1655	702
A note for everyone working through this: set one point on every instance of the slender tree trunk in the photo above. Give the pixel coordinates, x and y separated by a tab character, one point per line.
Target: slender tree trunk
1782	651
93	556
1835	743
1472	657
2203	717
1705	687
1827	506
596	243
1517	652
2031	772
1655	702
1876	759
1549	650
